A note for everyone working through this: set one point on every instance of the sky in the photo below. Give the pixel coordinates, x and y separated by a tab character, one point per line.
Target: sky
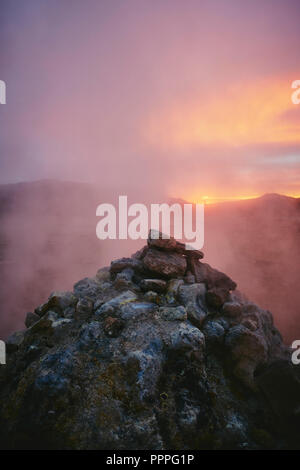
186	98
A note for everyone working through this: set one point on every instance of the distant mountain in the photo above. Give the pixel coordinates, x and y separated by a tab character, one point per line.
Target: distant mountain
48	241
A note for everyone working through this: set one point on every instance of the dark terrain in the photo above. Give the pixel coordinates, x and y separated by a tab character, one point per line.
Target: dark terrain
159	351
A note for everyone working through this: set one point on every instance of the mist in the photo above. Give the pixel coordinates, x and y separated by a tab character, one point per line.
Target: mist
153	100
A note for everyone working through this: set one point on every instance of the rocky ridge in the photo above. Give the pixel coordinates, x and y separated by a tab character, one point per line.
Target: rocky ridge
158	351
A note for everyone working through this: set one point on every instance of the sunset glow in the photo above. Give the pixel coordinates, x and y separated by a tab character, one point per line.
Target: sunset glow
240	115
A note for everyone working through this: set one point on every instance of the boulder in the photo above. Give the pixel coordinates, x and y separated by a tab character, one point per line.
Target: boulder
168	265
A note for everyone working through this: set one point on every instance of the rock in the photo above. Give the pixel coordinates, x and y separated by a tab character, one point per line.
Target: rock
173	313
110	306
148	363
214	332
88	287
167	265
103	274
152	297
125	263
244	343
216	297
135	309
248	350
84	307
187	338
193	297
61	300
113	326
69	313
140	253
48	323
15	340
42	309
172	290
232	309
156	285
213	278
124	279
127	274
156	240
31	318
192	293
250	324
195	314
57	301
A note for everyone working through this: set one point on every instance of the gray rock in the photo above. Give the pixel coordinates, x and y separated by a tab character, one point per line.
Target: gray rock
173	313
149	367
135	309
117	302
186	338
192	293
195	314
127	274
88	287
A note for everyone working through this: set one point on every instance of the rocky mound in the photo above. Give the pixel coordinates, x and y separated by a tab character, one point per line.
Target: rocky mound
159	351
